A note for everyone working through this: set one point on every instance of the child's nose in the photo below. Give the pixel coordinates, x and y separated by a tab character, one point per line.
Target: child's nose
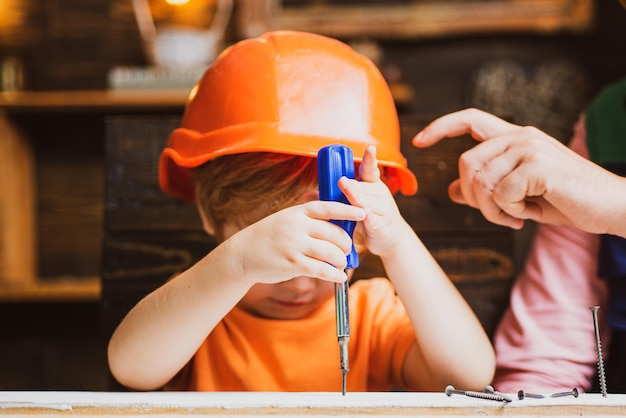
300	284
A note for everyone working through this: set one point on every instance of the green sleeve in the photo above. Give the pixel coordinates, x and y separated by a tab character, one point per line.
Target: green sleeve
605	124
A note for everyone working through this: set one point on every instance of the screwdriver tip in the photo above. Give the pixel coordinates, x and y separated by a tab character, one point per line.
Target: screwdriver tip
343	384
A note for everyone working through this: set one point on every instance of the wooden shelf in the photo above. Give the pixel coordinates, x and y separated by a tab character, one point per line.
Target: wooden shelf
93	100
83	289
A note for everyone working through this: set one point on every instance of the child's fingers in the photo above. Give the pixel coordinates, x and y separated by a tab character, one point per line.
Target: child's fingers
330	273
330	253
354	192
361	192
325	210
364	194
368	170
330	238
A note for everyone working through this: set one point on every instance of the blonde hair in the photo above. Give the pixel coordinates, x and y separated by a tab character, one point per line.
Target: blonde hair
240	189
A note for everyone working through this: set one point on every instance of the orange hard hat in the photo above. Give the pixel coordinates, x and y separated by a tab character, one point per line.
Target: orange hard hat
286	92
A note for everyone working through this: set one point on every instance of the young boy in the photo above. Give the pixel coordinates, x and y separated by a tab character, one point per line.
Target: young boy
257	313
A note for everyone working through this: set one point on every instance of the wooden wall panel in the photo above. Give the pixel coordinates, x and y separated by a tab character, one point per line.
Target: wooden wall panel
148	236
133	199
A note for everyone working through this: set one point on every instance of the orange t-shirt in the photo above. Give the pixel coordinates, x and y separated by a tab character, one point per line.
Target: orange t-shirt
247	353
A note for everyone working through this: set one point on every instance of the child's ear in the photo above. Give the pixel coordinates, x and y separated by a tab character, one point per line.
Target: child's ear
206	225
310	196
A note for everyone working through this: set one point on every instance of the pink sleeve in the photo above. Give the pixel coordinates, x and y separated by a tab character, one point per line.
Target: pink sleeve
545	341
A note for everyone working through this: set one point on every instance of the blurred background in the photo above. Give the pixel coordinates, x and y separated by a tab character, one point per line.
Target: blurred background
79	79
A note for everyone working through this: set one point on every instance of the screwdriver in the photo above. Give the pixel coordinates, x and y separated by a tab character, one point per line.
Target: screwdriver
333	162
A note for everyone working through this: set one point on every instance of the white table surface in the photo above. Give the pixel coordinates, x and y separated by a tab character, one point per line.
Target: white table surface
397	404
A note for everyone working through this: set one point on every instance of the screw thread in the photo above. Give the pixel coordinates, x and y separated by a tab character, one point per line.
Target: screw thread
573	392
491	396
601	375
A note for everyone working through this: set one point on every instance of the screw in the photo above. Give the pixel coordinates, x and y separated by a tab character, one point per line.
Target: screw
450	390
521	395
490	389
573	392
594	312
482	395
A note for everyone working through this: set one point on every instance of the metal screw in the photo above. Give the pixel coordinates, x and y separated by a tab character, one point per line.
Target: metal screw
521	395
450	390
490	389
573	392
482	395
594	312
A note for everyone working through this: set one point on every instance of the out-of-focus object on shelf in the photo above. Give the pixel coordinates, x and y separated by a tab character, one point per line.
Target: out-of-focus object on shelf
182	33
17	35
11	73
155	78
180	38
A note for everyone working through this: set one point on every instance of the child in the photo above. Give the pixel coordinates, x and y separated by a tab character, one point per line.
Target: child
257	313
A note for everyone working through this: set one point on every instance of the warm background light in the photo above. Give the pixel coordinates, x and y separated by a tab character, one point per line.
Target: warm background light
186	13
11	16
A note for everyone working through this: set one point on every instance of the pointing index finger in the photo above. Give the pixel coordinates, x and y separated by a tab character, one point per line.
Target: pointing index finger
479	124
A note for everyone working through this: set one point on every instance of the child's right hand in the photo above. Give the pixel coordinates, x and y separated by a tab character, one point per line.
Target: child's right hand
296	241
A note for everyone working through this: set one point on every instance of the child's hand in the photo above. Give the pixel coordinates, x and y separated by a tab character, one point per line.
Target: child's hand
383	224
296	241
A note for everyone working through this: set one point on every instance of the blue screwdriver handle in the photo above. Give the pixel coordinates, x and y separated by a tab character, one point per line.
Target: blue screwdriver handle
333	162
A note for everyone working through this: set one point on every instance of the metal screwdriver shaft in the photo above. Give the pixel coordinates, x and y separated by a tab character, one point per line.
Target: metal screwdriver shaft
334	162
601	375
343	330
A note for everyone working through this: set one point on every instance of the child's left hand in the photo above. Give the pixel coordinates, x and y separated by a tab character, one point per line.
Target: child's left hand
383	225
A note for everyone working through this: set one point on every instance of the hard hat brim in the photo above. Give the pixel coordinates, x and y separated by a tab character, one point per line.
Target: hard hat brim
189	149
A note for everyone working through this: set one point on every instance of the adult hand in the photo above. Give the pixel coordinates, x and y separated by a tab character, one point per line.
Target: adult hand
519	173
